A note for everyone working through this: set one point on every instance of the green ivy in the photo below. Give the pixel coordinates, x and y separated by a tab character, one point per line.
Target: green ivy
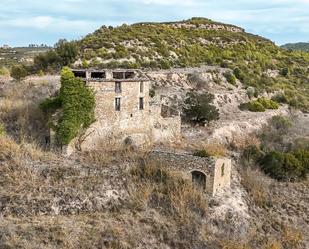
77	104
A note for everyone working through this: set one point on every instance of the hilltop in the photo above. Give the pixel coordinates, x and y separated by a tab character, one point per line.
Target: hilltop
255	61
300	46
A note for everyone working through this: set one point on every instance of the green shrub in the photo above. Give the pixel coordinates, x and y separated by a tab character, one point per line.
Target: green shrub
4	71
2	130
302	156
281	124
280	98
282	166
230	77
268	103
259	105
239	74
253	106
198	108
19	72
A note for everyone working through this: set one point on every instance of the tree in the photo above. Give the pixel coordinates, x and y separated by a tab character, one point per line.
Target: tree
198	108
67	51
19	72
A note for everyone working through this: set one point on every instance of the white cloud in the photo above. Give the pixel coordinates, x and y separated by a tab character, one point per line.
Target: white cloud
50	23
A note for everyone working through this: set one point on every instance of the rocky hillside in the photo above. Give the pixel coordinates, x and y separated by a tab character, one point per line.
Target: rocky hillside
300	46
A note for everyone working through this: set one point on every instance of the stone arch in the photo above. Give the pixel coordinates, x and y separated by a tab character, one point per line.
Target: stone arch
199	178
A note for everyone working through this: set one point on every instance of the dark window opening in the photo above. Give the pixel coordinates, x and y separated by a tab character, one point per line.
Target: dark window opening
123	75
141	87
80	74
98	75
222	169
117	104
141	103
199	179
117	87
129	75
118	75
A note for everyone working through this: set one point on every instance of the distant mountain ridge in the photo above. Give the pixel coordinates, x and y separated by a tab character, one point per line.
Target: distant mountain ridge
301	46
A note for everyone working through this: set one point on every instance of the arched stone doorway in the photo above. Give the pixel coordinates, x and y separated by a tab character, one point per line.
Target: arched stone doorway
199	179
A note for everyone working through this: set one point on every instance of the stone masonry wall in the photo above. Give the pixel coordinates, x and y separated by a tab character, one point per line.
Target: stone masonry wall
187	163
112	126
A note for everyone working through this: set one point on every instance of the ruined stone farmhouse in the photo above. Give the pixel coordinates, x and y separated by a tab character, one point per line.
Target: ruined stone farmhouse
125	113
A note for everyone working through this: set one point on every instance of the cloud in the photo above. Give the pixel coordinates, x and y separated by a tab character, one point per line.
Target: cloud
22	21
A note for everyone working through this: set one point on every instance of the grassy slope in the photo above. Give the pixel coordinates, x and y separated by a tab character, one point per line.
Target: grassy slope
162	45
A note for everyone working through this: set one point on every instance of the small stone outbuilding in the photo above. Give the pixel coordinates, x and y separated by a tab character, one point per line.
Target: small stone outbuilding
210	174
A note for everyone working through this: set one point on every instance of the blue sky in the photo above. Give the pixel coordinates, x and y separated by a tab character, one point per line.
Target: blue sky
38	21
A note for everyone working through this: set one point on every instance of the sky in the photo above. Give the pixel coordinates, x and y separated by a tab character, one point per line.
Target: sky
37	21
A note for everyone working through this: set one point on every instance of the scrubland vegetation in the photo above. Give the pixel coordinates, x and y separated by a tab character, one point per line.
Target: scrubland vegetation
123	199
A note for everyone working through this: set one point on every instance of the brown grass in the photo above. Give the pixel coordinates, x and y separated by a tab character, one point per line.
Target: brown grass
239	143
160	188
256	185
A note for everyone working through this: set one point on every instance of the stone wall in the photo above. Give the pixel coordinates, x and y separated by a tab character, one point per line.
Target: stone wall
112	125
186	163
140	127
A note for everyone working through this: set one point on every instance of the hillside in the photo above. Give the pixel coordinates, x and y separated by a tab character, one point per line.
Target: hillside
256	61
127	197
299	46
11	56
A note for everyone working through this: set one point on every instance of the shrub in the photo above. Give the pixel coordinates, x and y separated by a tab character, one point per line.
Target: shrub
280	98
282	166
19	72
239	74
230	77
268	103
199	109
250	92
4	71
281	124
2	129
259	105
253	106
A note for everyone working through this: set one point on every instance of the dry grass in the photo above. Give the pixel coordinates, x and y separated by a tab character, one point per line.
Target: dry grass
239	143
291	237
165	190
256	185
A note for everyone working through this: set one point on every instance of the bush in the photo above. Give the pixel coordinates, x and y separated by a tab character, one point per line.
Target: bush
282	166
239	74
253	106
281	124
259	105
19	72
4	71
230	77
2	129
268	103
199	109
